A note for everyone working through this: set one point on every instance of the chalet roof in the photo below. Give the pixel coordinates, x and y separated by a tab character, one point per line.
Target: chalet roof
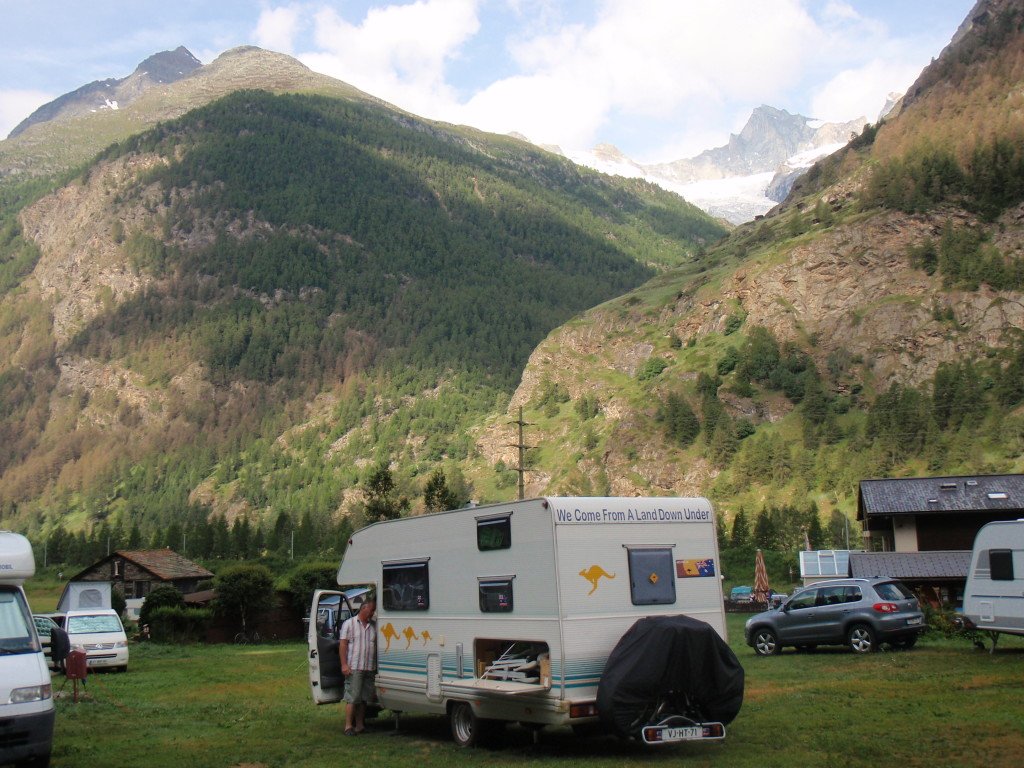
164	564
910	565
936	495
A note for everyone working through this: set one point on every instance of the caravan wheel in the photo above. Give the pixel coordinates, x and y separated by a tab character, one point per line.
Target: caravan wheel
467	728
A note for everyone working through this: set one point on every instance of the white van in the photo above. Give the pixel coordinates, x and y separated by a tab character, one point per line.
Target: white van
994	594
101	635
26	693
510	612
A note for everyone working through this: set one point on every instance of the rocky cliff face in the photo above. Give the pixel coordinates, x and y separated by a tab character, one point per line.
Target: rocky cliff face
850	289
79	230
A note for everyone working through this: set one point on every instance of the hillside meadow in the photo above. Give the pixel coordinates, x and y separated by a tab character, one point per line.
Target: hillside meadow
943	703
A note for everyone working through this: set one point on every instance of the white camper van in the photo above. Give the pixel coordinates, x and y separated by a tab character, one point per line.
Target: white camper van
994	595
509	612
26	695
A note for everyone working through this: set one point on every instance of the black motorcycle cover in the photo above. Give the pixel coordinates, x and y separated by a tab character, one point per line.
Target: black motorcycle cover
676	661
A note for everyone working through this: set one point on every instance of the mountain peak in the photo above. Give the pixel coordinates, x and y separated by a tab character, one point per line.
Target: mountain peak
115	93
168	66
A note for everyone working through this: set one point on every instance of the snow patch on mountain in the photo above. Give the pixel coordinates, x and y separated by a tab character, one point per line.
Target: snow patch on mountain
745	178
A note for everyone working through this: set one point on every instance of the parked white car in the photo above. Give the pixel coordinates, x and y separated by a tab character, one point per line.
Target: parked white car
101	635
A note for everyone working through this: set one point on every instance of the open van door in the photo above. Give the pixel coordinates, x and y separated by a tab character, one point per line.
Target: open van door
328	611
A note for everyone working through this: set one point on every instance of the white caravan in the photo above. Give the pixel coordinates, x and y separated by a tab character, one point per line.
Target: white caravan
26	694
509	612
994	595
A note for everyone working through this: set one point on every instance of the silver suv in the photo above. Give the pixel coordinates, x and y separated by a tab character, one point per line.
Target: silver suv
860	613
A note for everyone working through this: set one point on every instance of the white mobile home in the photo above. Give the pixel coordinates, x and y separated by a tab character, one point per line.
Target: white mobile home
994	595
26	694
509	612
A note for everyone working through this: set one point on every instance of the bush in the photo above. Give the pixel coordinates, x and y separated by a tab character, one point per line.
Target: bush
651	369
306	579
177	624
950	624
244	592
161	597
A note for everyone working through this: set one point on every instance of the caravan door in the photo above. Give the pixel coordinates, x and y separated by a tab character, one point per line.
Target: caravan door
326	614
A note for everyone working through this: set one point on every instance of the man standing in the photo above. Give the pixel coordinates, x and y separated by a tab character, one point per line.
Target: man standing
358	651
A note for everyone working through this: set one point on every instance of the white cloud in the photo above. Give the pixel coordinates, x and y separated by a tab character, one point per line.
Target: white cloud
16	105
652	59
277	27
861	92
398	52
685	74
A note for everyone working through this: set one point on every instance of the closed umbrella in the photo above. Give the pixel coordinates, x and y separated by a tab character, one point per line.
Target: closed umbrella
761	588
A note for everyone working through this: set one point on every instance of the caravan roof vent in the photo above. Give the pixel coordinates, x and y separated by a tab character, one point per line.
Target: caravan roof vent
971	482
998	495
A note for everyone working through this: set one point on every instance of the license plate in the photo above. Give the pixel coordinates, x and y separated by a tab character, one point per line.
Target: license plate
666	734
914	621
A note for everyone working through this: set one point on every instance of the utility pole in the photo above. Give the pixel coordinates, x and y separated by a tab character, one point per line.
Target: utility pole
521	469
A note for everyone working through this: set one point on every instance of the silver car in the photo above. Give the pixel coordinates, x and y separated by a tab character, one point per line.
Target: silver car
859	613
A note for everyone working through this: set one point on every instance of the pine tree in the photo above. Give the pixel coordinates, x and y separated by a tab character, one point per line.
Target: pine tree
382	500
765	532
437	497
740	537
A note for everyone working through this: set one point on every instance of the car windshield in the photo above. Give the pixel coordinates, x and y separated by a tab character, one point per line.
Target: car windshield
893	590
16	635
102	622
44	626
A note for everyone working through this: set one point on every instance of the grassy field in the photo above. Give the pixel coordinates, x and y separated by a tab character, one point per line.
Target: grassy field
942	703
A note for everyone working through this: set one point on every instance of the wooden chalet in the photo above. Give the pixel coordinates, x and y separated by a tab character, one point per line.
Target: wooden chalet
135	573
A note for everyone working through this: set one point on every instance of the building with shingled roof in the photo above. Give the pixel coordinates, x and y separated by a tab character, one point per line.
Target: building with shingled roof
134	573
921	529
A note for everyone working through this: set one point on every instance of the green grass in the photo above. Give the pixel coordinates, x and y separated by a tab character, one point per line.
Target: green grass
943	703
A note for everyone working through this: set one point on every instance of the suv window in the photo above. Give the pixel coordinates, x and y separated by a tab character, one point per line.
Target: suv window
803	600
893	590
837	595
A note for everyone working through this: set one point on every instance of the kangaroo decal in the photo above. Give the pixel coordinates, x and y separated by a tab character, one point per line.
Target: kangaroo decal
410	635
388	633
593	574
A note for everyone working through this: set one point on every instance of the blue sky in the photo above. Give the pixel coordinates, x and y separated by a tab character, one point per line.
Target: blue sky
660	79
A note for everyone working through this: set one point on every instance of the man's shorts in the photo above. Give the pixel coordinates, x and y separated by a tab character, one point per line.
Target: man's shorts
359	688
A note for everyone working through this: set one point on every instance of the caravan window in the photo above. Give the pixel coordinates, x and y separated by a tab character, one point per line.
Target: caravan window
496	595
652	576
494	533
1001	561
406	586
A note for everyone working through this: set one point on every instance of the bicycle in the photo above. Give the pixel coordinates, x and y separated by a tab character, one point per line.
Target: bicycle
248	638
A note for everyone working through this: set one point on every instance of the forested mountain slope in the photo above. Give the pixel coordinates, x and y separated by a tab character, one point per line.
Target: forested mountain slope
212	328
237	311
870	326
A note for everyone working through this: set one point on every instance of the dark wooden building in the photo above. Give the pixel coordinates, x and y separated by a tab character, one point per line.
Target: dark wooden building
135	573
921	529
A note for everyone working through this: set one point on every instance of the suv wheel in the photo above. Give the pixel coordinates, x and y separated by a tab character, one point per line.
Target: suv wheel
861	639
765	642
905	644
